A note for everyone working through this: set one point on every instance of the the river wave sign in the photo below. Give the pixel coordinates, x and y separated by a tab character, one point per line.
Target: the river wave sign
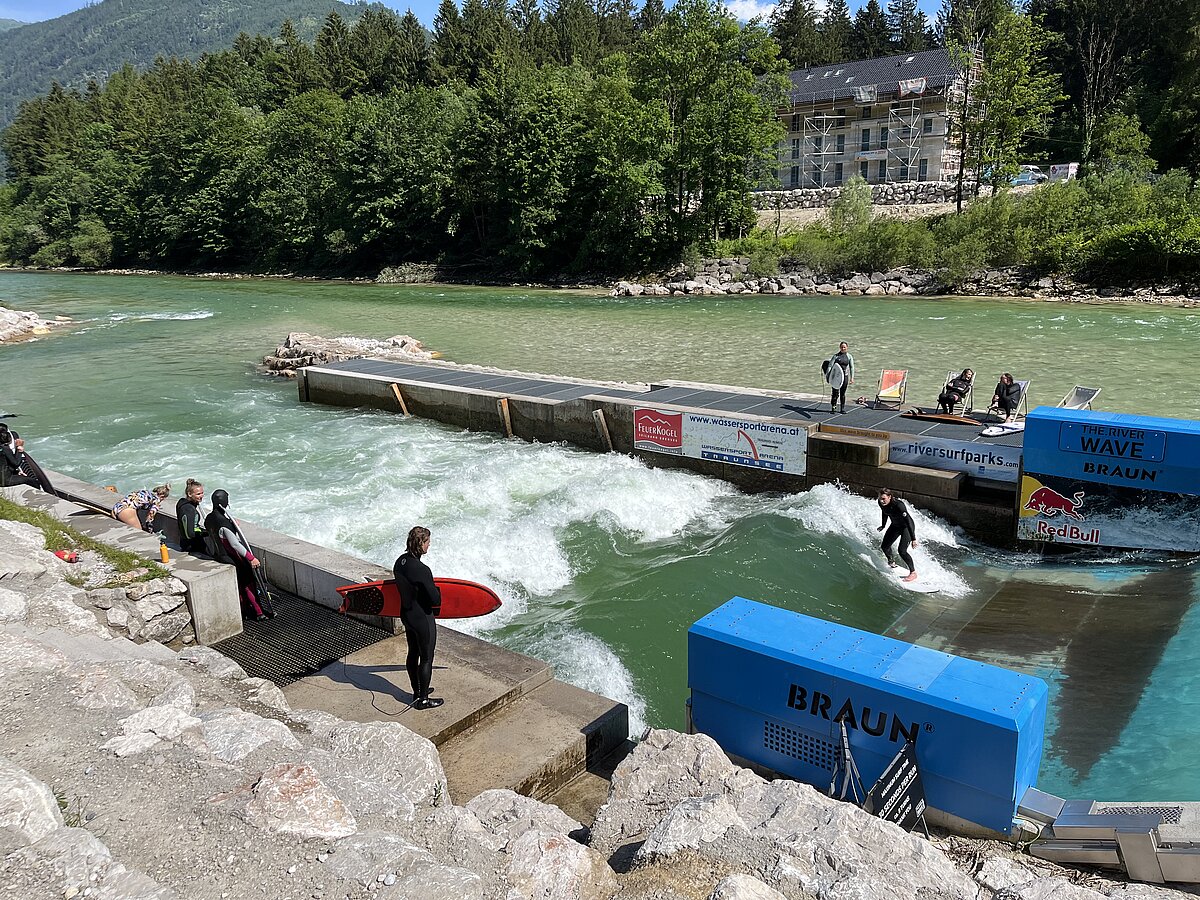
754	443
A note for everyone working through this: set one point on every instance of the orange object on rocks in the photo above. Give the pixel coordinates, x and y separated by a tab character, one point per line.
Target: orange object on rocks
67	555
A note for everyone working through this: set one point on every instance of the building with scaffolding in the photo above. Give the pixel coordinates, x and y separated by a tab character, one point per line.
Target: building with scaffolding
890	119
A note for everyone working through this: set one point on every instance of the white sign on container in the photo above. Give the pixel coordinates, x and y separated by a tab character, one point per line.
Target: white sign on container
773	446
992	461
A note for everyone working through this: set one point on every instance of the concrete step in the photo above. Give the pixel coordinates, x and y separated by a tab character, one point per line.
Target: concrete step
537	745
582	796
475	679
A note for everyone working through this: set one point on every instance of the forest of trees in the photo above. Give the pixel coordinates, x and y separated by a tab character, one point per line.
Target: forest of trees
576	137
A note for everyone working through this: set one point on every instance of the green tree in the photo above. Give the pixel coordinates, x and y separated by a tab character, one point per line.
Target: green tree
795	27
715	87
872	36
534	37
332	47
414	60
650	16
1016	94
449	54
836	31
909	27
1122	146
576	31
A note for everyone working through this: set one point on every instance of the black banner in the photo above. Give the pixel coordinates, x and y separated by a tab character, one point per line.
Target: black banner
898	796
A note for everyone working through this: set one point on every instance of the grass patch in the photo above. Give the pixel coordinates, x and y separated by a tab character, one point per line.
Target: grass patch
63	537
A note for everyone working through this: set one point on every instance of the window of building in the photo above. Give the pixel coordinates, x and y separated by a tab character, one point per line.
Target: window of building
883	170
816	176
923	170
795	121
841	114
795	148
883	138
866	139
837	173
818	143
927	126
904	167
795	176
841	143
863	170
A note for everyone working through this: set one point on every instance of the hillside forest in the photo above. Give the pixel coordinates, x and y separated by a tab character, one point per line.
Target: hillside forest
579	138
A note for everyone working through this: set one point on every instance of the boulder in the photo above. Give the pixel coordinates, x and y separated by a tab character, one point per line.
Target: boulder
543	864
102	689
743	887
691	825
165	628
440	883
13	606
28	809
290	798
214	662
508	814
233	734
370	855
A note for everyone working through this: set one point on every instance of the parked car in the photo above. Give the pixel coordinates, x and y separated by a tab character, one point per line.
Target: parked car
1029	175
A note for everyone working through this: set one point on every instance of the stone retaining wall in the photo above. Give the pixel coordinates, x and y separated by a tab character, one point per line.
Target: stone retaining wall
897	194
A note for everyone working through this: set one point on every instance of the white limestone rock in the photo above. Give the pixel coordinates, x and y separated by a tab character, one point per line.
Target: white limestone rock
455	835
693	824
131	744
543	864
1000	873
267	693
214	662
179	694
13	606
20	654
166	722
166	627
233	734
75	856
391	755
1049	888
366	856
117	618
743	887
28	810
508	815
290	798
439	883
102	689
143	589
664	769
21	537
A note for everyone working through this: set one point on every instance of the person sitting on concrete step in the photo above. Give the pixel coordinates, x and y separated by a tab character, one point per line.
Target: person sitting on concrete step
192	532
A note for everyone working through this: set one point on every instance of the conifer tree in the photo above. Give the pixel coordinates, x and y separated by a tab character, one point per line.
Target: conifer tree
795	28
871	36
332	48
836	28
908	25
448	52
650	16
414	51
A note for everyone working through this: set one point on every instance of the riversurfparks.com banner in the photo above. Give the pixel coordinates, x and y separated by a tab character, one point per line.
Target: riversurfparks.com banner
991	461
741	442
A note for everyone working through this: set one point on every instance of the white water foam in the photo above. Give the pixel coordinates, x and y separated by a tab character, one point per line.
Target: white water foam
831	509
162	317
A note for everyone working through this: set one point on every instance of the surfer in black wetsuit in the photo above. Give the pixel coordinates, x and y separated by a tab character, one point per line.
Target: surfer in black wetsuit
954	391
844	360
1007	397
191	524
420	602
900	526
15	465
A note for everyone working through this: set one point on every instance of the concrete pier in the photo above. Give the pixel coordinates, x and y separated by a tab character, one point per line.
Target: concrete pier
965	478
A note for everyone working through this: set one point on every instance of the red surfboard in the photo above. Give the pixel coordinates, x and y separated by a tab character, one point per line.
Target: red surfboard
460	599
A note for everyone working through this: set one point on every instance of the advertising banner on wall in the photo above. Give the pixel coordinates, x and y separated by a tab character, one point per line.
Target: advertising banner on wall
990	461
1110	480
1068	511
741	442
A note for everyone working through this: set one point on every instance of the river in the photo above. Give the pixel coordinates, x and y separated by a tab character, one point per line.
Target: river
602	562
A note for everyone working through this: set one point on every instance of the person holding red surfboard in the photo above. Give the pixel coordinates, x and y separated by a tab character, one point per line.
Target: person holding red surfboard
420	602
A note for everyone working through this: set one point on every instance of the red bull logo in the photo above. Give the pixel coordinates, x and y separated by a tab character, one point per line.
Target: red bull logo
1050	503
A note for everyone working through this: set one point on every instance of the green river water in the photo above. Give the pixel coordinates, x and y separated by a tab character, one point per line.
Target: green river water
603	563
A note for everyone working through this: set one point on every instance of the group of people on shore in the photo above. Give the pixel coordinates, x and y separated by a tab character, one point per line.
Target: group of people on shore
216	536
1006	399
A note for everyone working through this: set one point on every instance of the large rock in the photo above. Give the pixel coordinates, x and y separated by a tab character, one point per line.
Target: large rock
693	824
233	734
102	689
393	757
744	887
371	855
214	662
13	606
544	865
290	798
509	814
167	627
454	834
441	883
28	810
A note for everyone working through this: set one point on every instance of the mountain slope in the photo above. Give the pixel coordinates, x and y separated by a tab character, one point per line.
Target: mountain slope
98	39
7	24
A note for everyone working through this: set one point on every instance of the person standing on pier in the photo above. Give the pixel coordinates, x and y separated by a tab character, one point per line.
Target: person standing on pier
845	362
900	526
420	602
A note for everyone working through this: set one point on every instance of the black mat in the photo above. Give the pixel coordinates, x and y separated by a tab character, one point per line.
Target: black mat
302	639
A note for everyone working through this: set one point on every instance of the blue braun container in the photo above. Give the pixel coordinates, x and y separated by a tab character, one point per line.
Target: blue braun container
772	686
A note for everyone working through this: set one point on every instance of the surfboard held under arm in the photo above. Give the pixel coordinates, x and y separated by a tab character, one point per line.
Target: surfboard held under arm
460	599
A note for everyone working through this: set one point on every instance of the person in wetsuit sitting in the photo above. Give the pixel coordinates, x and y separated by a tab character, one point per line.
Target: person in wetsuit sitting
191	524
954	391
900	526
420	602
1007	397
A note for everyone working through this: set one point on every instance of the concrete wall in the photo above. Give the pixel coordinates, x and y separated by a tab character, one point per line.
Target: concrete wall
857	461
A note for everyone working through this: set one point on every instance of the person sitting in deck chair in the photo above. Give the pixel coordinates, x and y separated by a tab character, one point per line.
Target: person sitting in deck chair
1007	398
954	390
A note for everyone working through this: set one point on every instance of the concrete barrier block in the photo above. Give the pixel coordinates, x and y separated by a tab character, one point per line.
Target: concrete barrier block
900	478
861	451
533	419
212	597
438	403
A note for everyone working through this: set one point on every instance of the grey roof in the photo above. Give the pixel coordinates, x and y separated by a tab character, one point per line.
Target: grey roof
837	82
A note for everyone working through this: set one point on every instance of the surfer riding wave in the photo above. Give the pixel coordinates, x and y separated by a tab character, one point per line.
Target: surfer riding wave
900	527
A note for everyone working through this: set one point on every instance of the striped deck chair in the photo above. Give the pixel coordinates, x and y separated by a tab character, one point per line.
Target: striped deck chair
1080	397
1022	406
893	385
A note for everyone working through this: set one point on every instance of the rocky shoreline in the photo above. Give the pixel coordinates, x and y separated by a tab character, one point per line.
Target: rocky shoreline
731	275
131	771
300	349
18	325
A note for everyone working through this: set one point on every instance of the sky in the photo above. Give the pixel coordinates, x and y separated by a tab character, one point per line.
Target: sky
37	10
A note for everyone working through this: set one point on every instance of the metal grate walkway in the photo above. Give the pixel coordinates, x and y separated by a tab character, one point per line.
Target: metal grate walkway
302	639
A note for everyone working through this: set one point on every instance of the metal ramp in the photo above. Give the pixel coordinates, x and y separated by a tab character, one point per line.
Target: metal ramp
302	639
1152	842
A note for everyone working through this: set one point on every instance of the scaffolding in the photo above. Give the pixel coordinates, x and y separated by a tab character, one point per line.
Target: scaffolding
819	140
905	123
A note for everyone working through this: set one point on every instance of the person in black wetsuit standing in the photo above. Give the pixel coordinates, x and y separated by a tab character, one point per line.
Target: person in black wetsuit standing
900	526
420	602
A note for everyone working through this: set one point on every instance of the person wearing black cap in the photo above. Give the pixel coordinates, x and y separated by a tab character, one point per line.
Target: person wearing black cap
229	546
